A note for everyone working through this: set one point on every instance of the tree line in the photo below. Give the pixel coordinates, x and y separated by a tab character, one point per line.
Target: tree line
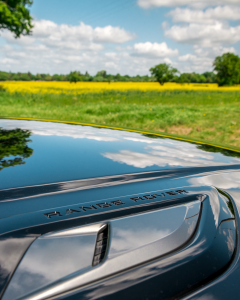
226	72
74	76
102	76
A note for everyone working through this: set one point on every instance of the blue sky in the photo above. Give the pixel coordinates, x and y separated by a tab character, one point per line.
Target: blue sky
126	36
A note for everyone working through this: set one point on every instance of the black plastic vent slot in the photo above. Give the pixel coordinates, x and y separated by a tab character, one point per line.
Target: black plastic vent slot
101	246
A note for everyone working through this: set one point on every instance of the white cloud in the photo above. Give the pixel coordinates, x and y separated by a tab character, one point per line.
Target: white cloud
111	34
187	57
202	58
56	33
171	3
62	48
66	36
212	52
204	35
44	59
119	48
207	30
167	60
192	62
154	50
111	55
208	16
9	61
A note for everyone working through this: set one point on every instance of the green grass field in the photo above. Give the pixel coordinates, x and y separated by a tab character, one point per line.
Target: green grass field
211	116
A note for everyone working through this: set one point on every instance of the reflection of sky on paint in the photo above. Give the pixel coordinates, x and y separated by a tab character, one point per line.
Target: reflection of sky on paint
74	131
164	153
223	181
43	263
135	232
63	152
58	129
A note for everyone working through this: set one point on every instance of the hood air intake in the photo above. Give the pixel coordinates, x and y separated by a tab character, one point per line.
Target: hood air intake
101	246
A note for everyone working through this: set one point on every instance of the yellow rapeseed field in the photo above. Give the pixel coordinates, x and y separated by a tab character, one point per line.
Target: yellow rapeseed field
53	87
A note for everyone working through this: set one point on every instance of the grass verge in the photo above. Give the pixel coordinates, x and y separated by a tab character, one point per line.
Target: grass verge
211	116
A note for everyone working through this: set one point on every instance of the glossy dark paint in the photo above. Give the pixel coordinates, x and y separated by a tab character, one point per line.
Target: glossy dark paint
63	152
12	250
178	273
226	286
169	278
175	274
211	257
76	185
24	215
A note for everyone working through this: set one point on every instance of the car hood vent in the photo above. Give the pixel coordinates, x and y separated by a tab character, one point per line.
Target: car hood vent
101	246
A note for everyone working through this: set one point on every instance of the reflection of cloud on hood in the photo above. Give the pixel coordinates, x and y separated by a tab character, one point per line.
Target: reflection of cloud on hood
168	153
180	151
161	159
222	181
141	140
138	160
58	129
75	135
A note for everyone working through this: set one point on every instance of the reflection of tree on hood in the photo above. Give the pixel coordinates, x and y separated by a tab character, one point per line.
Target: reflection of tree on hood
14	143
216	149
207	148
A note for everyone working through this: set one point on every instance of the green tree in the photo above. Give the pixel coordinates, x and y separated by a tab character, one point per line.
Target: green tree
15	77
87	77
74	77
227	67
210	77
202	79
38	77
163	73
3	76
117	77
56	77
183	78
15	16
13	145
24	77
48	77
102	73
109	78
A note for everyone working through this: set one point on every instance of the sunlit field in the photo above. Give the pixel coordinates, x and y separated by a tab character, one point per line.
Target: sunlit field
97	87
201	111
